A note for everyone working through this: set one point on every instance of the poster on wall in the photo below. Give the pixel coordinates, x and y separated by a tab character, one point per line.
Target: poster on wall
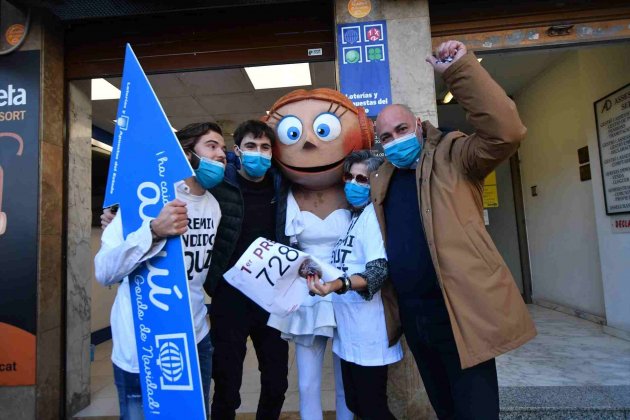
612	115
19	186
364	65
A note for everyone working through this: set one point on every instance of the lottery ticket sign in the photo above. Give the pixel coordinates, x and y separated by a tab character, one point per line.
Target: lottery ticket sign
364	65
274	275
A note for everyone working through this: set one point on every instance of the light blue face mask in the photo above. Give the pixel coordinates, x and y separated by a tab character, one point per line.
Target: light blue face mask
404	151
255	164
209	173
358	195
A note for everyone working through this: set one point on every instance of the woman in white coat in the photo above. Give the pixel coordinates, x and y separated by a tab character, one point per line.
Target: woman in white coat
360	339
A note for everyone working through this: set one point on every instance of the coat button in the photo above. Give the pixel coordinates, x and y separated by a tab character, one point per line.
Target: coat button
428	211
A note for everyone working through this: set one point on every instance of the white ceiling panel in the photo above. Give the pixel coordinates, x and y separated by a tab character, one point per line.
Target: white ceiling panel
181	122
168	85
186	106
216	82
234	103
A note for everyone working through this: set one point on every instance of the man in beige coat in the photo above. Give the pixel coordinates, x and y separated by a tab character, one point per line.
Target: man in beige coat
458	304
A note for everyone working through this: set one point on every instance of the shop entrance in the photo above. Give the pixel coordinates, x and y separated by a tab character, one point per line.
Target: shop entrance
227	97
544	222
197	63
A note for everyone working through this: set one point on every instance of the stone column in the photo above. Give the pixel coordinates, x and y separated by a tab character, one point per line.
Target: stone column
412	83
79	252
50	328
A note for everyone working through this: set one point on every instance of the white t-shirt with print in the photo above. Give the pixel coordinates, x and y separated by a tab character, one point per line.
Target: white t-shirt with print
119	257
361	334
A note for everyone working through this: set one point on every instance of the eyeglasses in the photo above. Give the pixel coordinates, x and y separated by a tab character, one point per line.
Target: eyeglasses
361	179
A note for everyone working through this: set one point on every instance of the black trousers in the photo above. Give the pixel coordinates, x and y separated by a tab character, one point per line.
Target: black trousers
366	391
455	393
234	317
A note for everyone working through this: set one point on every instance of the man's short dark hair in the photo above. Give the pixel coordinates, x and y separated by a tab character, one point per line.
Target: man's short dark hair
256	128
189	135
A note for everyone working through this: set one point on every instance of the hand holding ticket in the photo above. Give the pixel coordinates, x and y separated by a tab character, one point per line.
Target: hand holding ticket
274	275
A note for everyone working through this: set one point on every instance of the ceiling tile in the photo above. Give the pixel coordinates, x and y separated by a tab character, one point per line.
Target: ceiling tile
216	82
182	107
168	86
181	122
234	103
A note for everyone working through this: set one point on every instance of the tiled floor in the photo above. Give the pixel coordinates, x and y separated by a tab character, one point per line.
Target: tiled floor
567	351
105	400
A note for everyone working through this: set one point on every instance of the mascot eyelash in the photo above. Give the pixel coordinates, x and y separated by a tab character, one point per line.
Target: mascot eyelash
335	98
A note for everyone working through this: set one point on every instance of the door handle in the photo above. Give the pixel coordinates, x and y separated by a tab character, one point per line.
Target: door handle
3	216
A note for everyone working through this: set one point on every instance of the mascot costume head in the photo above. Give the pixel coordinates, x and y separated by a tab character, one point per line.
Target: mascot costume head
316	130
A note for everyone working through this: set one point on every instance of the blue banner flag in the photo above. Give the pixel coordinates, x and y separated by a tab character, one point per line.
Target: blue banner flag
146	162
364	64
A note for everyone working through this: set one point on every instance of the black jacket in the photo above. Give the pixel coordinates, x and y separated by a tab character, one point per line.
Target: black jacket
228	194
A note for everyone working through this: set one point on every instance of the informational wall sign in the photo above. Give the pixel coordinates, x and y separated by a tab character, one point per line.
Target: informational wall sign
147	160
19	187
274	275
612	115
620	224
364	64
490	192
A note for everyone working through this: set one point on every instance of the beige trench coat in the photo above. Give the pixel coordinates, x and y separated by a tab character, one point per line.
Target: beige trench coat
486	310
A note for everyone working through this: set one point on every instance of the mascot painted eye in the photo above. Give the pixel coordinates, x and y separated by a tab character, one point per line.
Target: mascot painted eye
327	126
289	130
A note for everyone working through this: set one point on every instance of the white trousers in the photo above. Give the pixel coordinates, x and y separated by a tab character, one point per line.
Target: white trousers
310	361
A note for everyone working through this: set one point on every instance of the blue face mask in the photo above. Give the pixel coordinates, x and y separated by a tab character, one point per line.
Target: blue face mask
209	173
255	164
358	195
404	151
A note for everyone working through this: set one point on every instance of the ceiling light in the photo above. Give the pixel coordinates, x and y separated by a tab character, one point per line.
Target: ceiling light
102	89
102	147
283	75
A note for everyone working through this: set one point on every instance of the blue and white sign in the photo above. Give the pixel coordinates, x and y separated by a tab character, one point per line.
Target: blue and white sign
147	160
364	64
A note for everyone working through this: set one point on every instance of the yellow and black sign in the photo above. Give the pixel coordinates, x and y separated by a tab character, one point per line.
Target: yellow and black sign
490	192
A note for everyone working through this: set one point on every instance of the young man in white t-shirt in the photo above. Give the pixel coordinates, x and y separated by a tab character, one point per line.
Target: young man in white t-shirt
195	215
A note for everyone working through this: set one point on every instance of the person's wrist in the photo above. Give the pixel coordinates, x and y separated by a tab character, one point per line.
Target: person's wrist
338	285
154	235
346	284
